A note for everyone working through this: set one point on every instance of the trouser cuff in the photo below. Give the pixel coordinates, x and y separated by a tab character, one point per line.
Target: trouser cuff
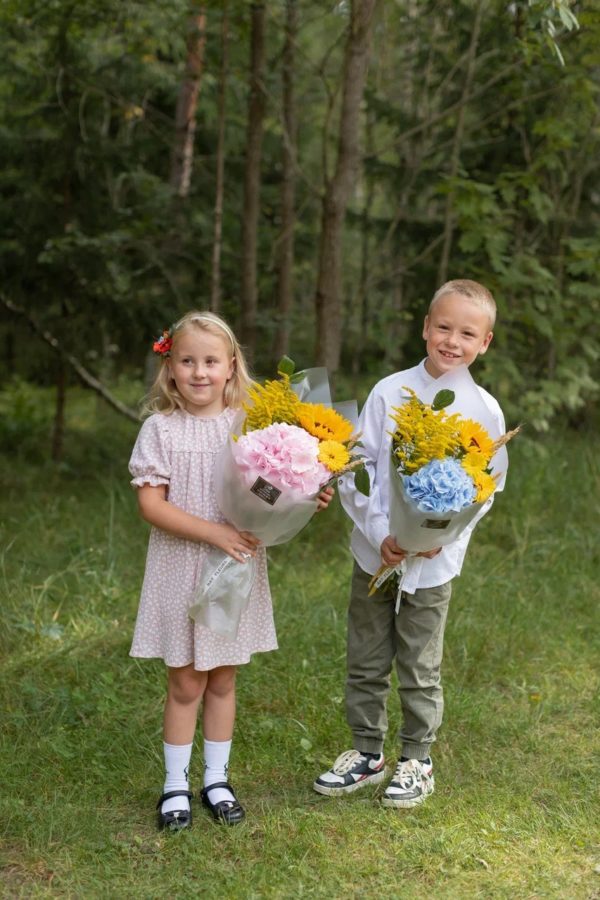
368	745
416	751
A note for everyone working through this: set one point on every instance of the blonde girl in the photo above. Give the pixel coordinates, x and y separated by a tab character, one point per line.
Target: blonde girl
203	379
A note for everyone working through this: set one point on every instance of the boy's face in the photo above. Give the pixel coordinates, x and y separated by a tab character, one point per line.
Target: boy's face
456	332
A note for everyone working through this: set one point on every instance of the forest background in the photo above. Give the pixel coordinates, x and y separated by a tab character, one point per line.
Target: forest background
313	171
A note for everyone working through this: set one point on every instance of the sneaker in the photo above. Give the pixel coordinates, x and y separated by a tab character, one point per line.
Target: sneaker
349	772
412	783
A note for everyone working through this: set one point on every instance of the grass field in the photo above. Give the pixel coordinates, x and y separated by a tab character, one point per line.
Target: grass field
516	813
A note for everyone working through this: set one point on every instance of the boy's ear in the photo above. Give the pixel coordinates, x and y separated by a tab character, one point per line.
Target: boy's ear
486	342
426	328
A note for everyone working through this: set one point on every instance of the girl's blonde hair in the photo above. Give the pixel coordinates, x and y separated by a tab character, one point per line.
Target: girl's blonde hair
473	291
163	395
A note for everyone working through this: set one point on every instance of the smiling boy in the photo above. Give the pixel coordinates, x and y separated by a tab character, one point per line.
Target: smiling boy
457	329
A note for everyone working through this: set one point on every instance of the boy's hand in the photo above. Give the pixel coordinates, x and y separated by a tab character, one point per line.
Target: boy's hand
325	498
429	554
391	553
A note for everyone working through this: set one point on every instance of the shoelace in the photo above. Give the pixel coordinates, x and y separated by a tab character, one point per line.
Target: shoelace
407	773
347	761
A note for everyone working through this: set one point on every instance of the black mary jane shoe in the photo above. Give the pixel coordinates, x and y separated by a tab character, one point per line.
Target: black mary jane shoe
228	811
177	818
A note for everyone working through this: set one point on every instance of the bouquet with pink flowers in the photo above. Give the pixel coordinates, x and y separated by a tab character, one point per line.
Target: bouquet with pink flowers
286	456
287	445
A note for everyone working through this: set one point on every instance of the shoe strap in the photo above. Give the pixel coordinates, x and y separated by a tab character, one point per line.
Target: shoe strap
218	784
170	794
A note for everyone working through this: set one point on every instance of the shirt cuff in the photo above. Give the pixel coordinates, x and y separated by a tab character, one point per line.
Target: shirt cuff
377	532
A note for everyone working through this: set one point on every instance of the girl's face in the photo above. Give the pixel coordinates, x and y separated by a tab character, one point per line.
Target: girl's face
201	365
457	331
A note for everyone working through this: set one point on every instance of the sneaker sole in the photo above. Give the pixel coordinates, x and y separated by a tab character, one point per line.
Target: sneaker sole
404	804
339	790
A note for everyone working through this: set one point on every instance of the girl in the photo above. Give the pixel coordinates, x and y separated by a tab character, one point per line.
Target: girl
203	379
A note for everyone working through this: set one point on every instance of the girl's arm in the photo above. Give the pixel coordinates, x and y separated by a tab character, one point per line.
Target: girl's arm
156	510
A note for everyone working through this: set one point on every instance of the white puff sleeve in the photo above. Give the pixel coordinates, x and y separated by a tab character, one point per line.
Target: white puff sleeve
150	461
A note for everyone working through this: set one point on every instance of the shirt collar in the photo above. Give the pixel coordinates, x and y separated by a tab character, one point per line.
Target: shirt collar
424	375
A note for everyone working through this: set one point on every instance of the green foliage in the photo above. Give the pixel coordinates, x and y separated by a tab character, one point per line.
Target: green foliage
442	399
25	418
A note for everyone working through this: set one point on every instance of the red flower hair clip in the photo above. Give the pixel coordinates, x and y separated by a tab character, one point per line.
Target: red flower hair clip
164	343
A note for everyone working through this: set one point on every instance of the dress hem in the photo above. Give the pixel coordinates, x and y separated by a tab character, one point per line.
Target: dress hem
231	662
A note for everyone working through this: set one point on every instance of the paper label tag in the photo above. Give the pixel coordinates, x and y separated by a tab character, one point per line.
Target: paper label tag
265	491
218	571
435	523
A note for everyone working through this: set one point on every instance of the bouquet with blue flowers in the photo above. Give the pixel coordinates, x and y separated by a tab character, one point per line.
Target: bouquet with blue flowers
447	459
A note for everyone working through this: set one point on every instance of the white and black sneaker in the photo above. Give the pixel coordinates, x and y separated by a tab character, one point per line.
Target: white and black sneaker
411	784
351	771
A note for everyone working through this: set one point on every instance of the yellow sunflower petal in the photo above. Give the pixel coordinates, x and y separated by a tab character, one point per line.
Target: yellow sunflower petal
324	422
333	455
484	484
474	437
474	461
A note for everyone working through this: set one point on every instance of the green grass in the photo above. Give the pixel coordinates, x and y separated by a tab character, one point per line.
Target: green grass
516	808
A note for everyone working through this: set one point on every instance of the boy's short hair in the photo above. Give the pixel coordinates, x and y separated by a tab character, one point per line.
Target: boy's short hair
471	289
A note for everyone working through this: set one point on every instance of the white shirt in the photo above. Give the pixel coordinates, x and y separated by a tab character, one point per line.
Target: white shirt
371	514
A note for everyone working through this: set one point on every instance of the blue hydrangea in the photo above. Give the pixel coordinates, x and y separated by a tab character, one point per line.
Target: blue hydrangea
441	486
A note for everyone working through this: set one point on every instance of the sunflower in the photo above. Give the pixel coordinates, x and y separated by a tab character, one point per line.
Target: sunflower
324	423
333	455
484	484
474	461
474	437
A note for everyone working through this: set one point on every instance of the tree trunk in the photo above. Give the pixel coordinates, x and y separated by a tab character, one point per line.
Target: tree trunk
256	112
457	145
215	280
338	190
285	254
359	314
187	102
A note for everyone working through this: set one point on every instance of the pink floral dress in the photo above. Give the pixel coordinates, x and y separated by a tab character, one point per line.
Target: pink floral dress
179	450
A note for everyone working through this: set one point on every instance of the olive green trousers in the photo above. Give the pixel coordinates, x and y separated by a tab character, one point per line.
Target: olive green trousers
413	639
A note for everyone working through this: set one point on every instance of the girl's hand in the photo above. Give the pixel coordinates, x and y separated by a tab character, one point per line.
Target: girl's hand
325	498
238	544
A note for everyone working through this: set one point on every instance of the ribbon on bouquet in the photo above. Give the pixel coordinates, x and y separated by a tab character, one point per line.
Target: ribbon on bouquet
384	572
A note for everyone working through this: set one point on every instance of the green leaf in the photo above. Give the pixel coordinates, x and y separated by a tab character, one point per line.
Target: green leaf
286	366
442	399
362	482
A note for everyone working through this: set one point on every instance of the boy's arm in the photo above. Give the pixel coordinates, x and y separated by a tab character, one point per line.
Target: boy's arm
369	514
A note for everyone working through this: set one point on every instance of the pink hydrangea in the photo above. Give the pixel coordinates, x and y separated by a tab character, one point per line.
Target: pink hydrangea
284	455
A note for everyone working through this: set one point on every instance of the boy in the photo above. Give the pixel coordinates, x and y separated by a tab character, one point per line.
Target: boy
457	329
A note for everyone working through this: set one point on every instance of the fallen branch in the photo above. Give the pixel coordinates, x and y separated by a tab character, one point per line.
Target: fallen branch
86	377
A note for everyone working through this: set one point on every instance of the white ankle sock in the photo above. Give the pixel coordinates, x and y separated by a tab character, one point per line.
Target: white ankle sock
216	760
177	765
